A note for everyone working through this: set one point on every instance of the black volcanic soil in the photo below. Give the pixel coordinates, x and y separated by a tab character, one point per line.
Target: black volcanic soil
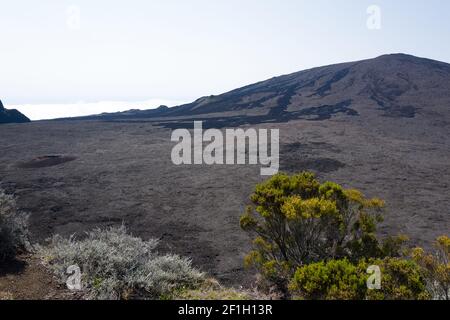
123	173
45	161
379	125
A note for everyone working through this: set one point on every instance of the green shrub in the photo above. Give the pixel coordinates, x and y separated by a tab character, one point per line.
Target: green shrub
401	279
436	268
342	280
298	221
116	265
336	279
13	228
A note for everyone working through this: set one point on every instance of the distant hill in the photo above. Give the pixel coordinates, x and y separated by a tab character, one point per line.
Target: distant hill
395	86
11	116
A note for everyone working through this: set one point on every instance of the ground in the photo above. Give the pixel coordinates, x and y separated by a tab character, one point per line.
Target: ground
121	172
27	279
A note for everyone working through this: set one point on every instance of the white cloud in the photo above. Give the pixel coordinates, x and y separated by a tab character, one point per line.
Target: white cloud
53	111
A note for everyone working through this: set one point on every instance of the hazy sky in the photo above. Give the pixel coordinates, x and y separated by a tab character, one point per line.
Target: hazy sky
56	52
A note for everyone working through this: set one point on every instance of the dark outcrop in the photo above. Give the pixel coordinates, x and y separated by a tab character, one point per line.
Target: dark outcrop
11	116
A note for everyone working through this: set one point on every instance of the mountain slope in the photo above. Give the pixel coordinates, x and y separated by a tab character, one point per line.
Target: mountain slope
396	86
11	116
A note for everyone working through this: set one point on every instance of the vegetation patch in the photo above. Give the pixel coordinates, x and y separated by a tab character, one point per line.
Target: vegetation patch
13	228
212	290
116	265
436	268
318	241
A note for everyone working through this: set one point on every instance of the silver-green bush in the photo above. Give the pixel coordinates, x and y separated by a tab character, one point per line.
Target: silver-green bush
116	265
13	228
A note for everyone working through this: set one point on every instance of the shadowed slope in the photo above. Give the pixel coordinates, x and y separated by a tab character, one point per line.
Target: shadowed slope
11	116
398	86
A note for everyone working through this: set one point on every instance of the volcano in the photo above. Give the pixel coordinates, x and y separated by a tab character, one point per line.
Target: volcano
392	86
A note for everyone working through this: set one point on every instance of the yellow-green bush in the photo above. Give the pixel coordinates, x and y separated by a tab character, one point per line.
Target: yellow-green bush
401	279
297	221
436	267
342	280
336	279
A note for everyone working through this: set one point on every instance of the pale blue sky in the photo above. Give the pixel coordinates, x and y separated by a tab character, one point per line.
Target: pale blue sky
179	50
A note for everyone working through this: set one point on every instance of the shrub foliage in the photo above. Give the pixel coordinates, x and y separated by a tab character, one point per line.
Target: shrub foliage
315	241
116	265
13	228
342	280
436	267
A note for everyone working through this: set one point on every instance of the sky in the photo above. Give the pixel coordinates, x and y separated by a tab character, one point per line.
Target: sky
65	58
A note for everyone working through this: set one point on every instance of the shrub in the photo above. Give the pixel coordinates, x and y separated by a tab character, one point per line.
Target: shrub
401	279
342	280
436	268
116	265
299	221
336	279
13	228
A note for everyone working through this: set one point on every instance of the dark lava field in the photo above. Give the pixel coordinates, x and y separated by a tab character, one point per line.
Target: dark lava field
381	125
